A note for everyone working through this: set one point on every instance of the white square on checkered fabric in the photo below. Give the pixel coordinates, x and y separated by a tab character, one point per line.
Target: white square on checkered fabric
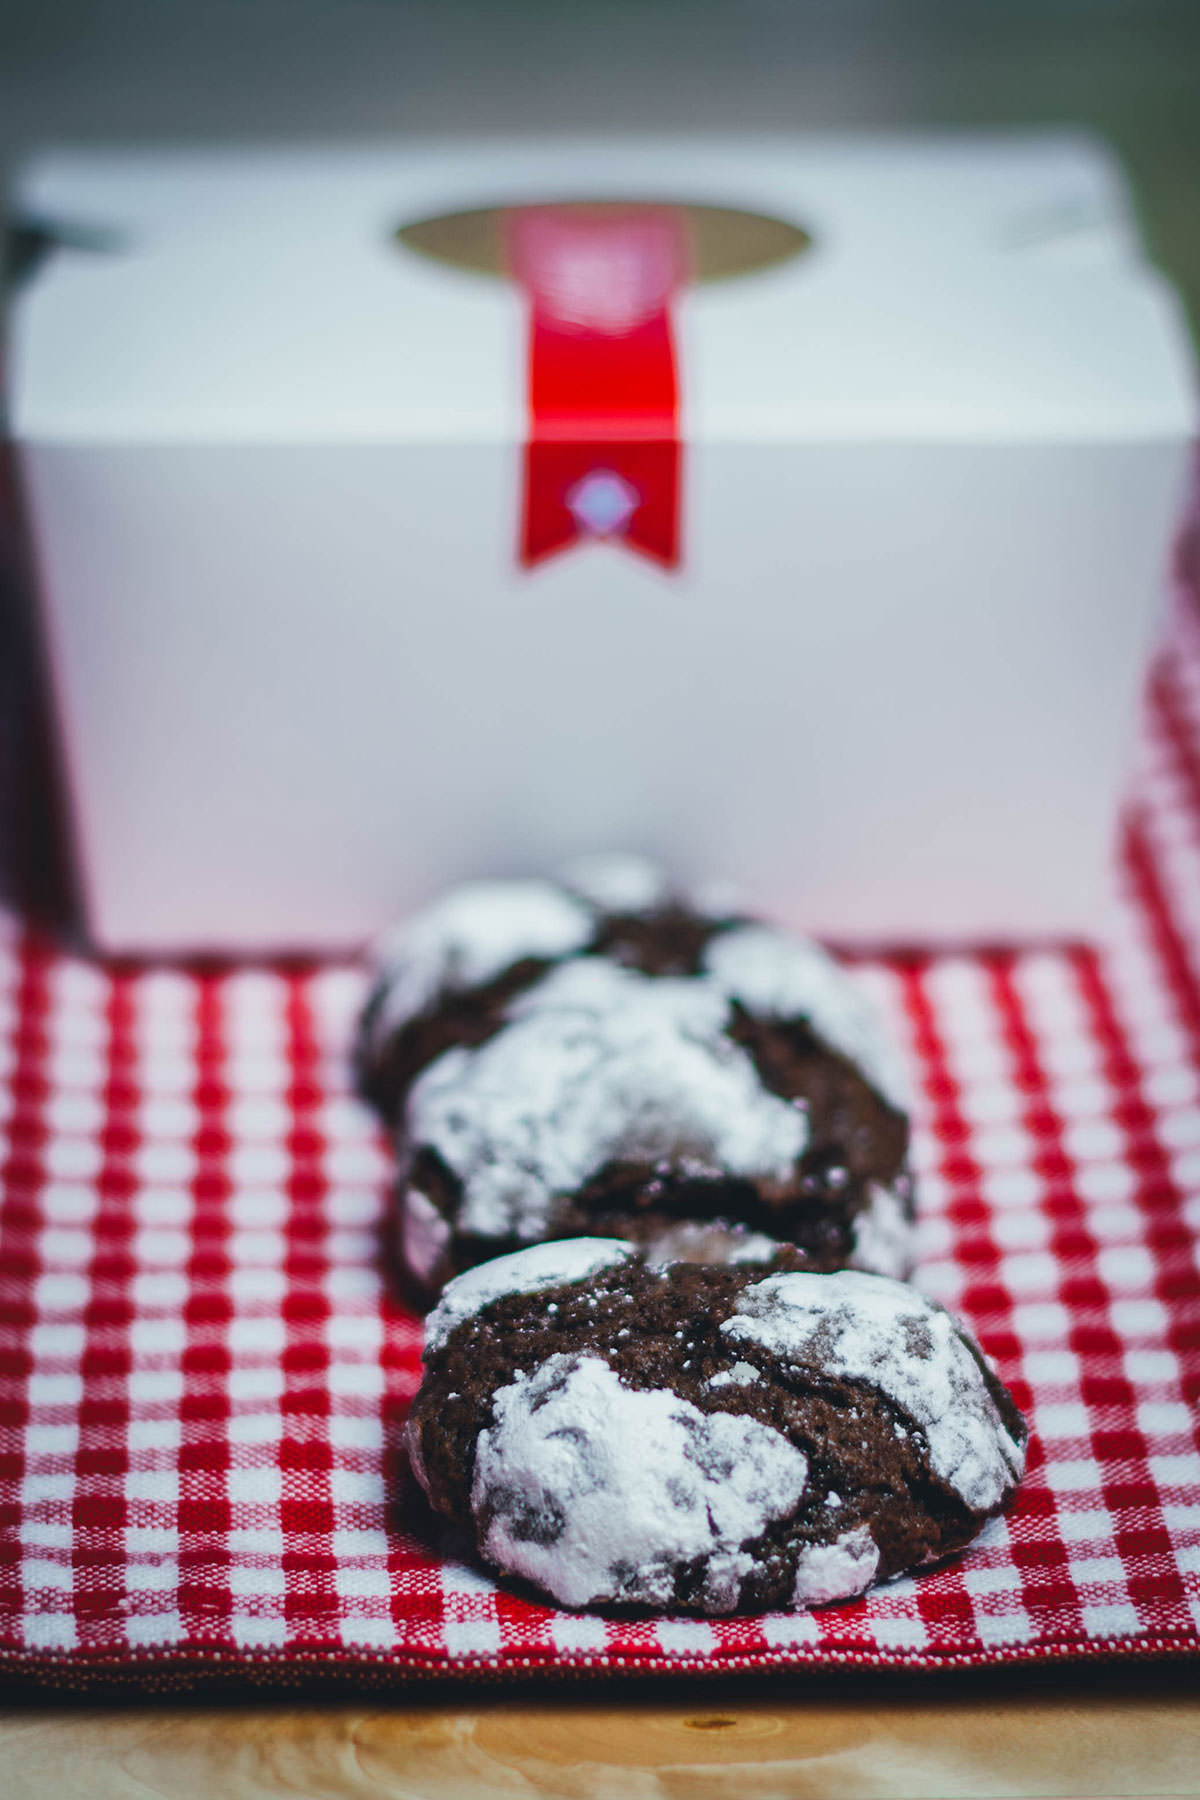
162	1246
153	1575
782	1629
1141	1318
686	1637
253	1288
935	1238
152	1484
367	1631
1051	1368
1008	1627
353	1287
169	1115
1115	1224
62	1244
256	1541
362	1543
160	1290
1176	1471
1036	1272
1164	1418
68	1203
900	1633
356	1380
58	1440
163	1336
255	1428
58	1292
1114	1618
256	1579
1074	1476
1175	1085
57	1390
1084	1097
357	1487
49	1631
1180	1130
999	1145
164	1070
256	1117
1126	1268
1097	1571
1151	1368
1087	1525
255	1337
153	1434
156	1387
577	1634
349	1246
1100	1182
38	1572
39	1486
58	1340
990	1103
1093	1140
357	1162
1061	1419
472	1636
1040	1322
1002	1579
265	1209
158	1160
256	1487
356	1431
151	1540
166	1209
363	1583
1180	1517
144	1630
77	1066
256	1162
252	1631
258	1382
1021	1228
47	1534
257	1071
258	1246
75	1113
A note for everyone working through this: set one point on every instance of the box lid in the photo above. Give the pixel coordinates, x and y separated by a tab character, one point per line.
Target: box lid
974	289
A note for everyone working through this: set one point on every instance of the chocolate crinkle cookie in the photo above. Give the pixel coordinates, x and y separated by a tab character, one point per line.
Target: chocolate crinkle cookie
599	1056
705	1438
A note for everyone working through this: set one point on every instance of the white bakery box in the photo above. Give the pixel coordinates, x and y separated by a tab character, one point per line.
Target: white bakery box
795	511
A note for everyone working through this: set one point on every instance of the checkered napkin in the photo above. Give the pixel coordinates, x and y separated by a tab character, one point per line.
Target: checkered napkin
204	1371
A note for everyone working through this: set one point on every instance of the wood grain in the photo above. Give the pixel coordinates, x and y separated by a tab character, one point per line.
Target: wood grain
852	1750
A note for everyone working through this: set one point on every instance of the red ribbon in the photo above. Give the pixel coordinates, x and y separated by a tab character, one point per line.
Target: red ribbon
603	456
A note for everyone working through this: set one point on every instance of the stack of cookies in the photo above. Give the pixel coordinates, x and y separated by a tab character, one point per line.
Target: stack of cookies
654	1172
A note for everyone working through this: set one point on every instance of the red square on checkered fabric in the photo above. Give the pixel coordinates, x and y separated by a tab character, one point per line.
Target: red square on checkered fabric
204	1372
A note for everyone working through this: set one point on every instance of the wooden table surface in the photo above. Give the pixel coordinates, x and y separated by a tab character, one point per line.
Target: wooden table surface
1095	1735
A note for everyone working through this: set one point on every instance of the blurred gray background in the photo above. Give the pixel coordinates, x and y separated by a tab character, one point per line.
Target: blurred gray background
123	70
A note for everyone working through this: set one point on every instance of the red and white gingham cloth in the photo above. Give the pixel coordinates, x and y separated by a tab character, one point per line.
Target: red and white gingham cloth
203	1372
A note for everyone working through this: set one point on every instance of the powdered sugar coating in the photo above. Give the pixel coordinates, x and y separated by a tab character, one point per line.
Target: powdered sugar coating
469	937
524	1272
836	1571
883	1235
566	1494
598	1064
869	1328
776	975
424	1233
617	883
704	1240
